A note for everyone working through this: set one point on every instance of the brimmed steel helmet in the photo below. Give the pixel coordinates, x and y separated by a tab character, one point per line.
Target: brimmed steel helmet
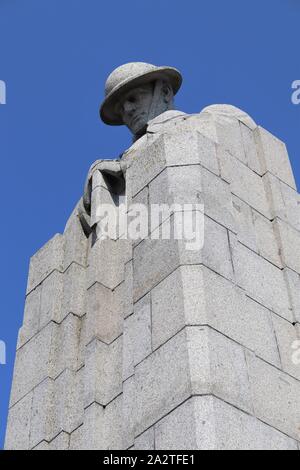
129	76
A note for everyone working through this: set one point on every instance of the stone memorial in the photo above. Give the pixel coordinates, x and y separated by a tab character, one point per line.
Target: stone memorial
150	342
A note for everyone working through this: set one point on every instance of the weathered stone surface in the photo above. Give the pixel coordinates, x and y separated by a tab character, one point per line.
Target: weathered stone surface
101	428
51	299
157	390
31	317
217	111
61	442
145	441
244	183
230	137
263	281
18	425
137	336
284	201
43	424
34	363
274	155
102	372
195	295
74	291
202	362
287	336
145	164
105	259
218	367
251	151
206	423
243	216
128	413
289	242
75	242
68	400
104	318
293	286
283	412
65	345
267	242
169	254
46	260
193	185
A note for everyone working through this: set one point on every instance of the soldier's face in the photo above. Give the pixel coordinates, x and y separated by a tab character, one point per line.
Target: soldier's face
134	107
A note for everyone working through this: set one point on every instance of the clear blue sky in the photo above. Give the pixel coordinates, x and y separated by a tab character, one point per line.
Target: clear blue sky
55	55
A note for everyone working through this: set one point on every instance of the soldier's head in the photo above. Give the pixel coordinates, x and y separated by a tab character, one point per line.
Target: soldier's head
138	92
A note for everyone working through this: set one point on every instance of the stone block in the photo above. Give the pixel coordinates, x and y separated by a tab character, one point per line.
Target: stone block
276	396
82	342
218	111
145	441
206	423
261	280
157	390
31	317
195	295
66	345
51	299
287	336
267	242
243	217
44	425
218	367
68	401
293	286
186	147
104	318
75	241
284	201
137	336
128	413
101	428
273	154
244	183
106	263
18	425
42	446
34	362
49	258
74	291
177	185
103	372
251	151
193	185
127	290
230	137
171	253
100	197
145	164
61	442
289	242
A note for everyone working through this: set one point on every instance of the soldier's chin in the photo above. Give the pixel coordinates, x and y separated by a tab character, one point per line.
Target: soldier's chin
139	127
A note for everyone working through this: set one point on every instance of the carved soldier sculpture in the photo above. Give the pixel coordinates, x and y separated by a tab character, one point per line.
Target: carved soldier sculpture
135	93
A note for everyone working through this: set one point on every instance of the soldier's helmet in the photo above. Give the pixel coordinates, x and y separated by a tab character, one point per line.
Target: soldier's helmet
129	76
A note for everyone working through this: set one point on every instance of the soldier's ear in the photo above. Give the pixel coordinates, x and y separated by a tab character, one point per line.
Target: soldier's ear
167	92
